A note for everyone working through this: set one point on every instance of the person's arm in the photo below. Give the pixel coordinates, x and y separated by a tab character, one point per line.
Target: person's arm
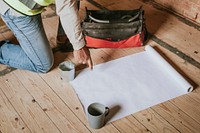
70	20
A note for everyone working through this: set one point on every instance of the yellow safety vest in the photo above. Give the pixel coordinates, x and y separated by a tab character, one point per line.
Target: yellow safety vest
29	7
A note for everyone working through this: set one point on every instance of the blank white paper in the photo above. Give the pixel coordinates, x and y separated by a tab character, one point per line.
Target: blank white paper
130	84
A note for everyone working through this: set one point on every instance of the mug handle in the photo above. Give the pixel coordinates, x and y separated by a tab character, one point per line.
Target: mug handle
107	111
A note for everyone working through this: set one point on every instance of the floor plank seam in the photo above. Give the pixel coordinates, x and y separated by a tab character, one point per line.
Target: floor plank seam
181	18
185	112
35	101
148	130
165	119
175	51
16	111
96	4
65	104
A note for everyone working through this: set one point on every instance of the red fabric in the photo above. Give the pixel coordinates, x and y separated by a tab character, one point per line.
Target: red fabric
134	41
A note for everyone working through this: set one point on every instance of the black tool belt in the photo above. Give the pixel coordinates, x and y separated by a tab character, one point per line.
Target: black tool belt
114	24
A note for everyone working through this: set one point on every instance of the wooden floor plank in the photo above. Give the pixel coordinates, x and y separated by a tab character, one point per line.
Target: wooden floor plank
10	121
25	105
1	37
51	26
130	125
177	118
85	4
1	22
189	106
52	105
8	35
120	4
154	122
174	32
2	67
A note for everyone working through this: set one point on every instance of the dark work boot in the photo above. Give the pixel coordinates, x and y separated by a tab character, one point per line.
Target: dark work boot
2	43
63	45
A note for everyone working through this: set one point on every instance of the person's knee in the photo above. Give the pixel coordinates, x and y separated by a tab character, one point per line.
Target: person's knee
46	67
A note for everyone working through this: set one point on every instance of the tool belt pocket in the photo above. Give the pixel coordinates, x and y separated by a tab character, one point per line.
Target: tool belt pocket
114	28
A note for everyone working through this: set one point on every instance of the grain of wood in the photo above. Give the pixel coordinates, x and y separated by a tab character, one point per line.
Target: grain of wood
130	125
1	23
177	118
10	121
51	104
51	29
1	37
154	122
25	105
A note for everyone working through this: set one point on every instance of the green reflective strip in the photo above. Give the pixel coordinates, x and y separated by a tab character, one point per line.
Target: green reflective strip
17	5
44	2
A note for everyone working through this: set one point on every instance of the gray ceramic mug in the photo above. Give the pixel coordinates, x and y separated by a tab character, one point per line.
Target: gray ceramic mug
96	115
67	71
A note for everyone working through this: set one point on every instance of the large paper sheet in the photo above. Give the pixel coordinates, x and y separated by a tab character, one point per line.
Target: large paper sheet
130	84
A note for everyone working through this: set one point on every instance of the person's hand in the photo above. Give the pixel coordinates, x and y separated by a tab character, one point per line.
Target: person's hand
83	56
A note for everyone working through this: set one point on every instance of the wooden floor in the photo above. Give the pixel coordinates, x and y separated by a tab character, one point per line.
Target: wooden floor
31	102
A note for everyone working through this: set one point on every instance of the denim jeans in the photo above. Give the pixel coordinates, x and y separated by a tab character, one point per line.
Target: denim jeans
34	52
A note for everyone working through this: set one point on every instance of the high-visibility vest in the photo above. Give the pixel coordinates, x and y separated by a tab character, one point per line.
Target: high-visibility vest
29	7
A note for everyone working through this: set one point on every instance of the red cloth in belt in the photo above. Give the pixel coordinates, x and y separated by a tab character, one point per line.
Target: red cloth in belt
133	41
